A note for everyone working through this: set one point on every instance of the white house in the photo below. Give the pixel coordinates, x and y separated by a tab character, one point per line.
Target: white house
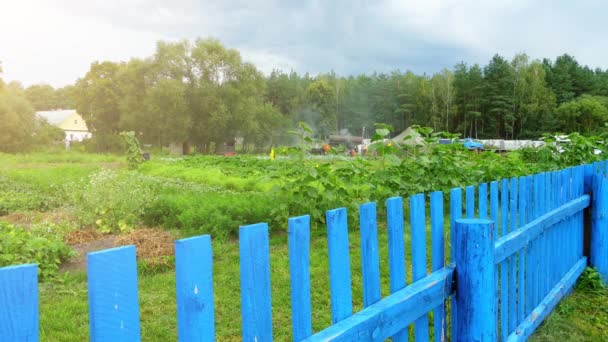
69	121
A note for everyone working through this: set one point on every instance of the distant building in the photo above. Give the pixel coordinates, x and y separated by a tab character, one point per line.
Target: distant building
69	121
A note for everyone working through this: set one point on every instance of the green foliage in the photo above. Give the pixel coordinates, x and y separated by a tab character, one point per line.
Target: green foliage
590	280
42	245
134	152
113	201
586	114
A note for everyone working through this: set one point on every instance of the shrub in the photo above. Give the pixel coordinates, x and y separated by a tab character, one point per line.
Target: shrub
42	245
114	201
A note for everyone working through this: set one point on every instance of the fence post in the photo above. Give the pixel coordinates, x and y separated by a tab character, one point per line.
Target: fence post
475	286
598	252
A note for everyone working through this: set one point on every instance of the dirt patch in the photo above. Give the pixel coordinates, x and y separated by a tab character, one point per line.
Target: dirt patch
150	242
83	236
153	244
79	262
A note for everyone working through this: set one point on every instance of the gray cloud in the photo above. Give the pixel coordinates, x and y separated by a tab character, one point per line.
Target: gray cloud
314	36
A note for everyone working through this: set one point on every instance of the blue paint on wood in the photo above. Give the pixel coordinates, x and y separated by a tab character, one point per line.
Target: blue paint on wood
509	244
483	201
194	289
113	299
418	223
513	259
455	213
559	291
299	270
256	310
521	269
504	266
393	313
370	260
339	265
475	280
599	226
19	318
470	202
396	252
438	259
494	204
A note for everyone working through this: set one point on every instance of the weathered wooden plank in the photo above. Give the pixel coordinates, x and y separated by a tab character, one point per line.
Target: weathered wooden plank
256	309
393	313
470	201
559	291
504	266
299	270
113	300
516	240
438	259
455	213
194	289
521	269
513	196
19	317
418	223
483	201
599	226
475	280
370	260
396	252
339	265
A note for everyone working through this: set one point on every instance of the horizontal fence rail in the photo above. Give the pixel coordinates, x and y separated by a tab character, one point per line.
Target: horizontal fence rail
515	250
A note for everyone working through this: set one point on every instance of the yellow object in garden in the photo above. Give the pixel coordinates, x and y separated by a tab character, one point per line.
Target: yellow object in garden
272	154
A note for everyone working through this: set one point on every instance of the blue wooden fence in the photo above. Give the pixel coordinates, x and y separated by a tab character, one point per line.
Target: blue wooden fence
517	246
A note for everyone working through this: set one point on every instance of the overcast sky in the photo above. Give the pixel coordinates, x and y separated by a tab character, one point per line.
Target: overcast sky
55	41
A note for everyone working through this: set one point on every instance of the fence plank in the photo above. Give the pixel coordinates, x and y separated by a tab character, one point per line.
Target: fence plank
113	300
256	311
370	260
483	200
299	271
19	317
418	223
504	266
438	258
470	202
393	313
513	183
455	213
521	269
494	205
194	289
339	265
396	252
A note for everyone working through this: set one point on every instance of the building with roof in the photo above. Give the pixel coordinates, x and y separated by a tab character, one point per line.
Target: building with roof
69	121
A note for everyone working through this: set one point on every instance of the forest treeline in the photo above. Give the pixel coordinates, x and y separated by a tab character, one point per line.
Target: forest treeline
204	93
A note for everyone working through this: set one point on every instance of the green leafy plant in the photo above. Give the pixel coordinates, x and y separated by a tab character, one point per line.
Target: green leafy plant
42	245
134	152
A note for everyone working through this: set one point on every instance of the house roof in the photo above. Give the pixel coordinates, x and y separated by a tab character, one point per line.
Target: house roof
56	117
409	137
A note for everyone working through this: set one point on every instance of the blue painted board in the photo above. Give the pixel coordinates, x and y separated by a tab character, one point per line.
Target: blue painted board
521	269
19	317
112	291
455	213
483	201
393	313
438	259
194	289
339	265
299	270
513	220
370	260
470	202
504	266
396	252
418	224
256	309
